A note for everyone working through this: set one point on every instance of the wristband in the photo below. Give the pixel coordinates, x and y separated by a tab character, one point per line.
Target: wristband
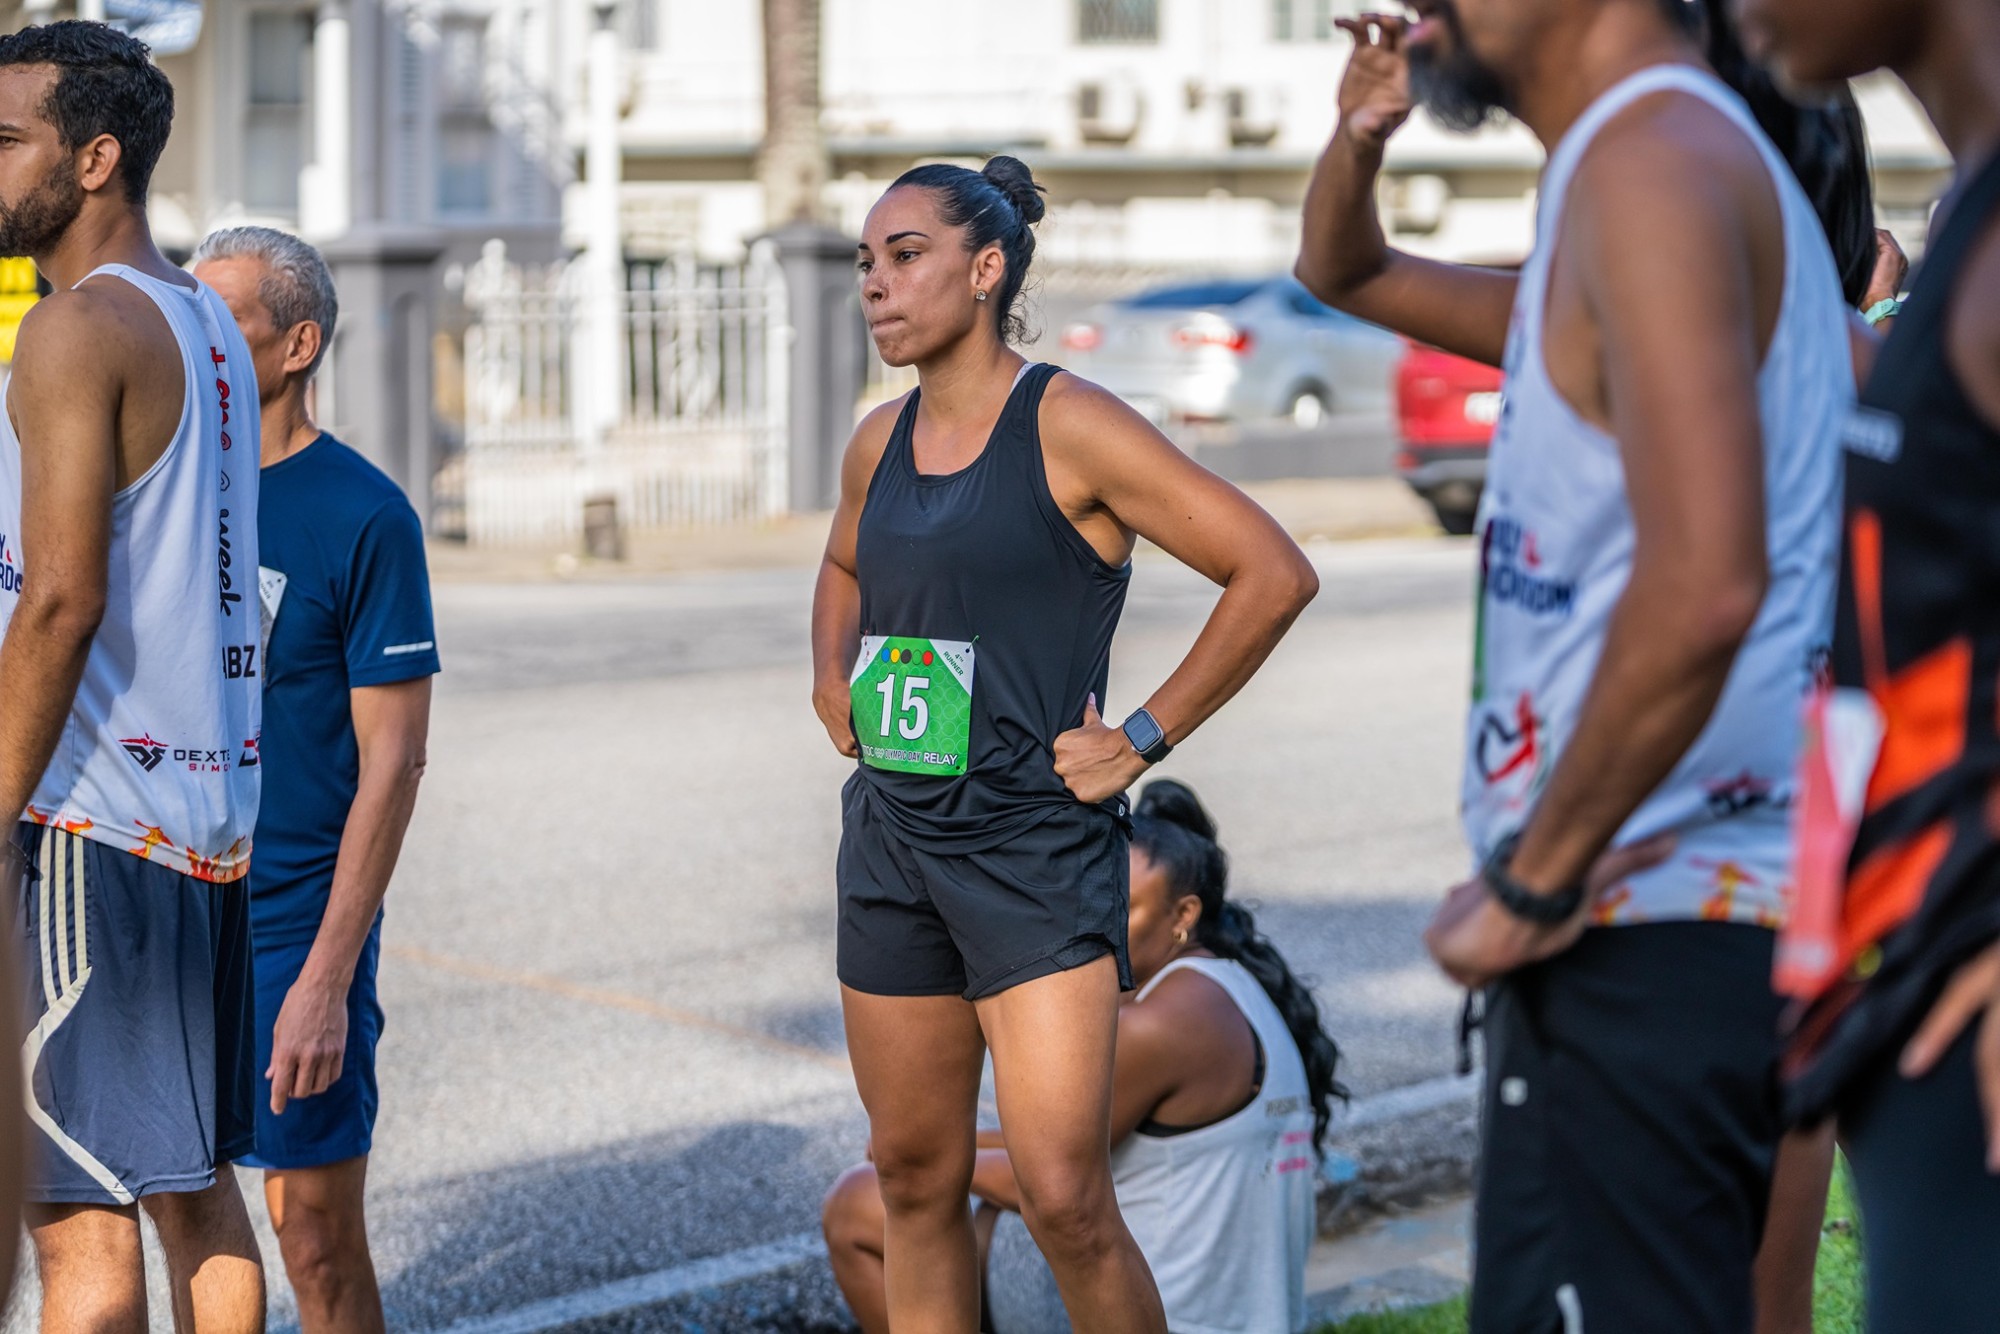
1888	308
1522	902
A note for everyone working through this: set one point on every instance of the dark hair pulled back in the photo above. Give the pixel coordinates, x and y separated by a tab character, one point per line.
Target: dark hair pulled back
998	205
1826	144
1177	835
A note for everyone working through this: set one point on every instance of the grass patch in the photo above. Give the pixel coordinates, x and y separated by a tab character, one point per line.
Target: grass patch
1838	1303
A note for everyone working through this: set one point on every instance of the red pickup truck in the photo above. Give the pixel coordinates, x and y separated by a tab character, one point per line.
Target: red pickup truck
1446	408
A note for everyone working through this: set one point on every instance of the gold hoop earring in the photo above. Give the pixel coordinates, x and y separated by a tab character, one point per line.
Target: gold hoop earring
1180	937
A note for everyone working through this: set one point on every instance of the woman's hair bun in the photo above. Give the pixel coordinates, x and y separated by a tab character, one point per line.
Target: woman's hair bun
1175	803
1015	181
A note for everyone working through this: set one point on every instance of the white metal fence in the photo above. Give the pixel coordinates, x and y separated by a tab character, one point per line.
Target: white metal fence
695	428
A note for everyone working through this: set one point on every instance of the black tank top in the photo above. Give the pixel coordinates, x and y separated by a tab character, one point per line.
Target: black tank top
985	555
1918	627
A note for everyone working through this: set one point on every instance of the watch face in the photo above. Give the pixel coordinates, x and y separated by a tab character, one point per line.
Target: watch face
1142	732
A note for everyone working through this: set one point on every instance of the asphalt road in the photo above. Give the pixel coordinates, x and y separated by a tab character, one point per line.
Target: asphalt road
614	1045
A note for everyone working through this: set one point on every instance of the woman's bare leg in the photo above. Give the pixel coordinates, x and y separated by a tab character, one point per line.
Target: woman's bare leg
917	1061
1052	1046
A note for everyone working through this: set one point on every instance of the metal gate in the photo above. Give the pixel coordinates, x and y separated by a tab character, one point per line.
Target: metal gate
694	429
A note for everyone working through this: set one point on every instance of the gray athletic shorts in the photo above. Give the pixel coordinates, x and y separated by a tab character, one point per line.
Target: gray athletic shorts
136	1017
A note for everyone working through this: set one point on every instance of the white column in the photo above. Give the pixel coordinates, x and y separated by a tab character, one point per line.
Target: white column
92	10
604	244
326	204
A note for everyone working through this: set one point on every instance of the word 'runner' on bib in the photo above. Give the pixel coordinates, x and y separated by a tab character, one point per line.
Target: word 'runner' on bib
913	704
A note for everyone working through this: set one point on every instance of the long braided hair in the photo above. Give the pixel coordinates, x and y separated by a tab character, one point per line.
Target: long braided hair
1178	836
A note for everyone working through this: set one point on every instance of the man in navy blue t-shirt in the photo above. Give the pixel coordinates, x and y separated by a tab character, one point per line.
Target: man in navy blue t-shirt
347	656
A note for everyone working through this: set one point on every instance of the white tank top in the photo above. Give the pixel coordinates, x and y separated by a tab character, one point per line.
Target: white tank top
1556	550
1225	1214
159	756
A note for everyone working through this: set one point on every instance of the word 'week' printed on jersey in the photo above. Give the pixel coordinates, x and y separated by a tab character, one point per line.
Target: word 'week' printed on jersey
230	597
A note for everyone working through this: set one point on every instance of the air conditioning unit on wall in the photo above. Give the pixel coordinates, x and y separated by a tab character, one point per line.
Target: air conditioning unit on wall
1108	111
1256	113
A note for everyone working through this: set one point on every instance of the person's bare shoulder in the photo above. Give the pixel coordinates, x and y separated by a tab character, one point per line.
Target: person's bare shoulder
107	324
872	432
1664	159
1190	1013
1078	414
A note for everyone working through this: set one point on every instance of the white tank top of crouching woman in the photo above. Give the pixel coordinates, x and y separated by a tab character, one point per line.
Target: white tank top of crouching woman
1556	544
159	755
1225	1214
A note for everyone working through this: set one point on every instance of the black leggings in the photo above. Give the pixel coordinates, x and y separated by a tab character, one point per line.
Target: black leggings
1930	1211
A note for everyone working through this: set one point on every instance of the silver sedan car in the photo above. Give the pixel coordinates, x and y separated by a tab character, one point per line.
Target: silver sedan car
1234	350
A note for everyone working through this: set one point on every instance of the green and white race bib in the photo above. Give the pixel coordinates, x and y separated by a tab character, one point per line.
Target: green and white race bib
913	704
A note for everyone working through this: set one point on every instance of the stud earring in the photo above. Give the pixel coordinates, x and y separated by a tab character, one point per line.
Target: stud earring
1180	937
979	296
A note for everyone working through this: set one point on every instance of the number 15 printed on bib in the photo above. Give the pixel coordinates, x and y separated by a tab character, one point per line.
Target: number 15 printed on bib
913	704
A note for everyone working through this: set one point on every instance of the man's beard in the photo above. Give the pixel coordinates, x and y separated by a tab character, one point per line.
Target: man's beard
37	222
1460	93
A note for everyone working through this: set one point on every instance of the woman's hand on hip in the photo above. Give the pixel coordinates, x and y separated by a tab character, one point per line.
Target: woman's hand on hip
834	705
1094	761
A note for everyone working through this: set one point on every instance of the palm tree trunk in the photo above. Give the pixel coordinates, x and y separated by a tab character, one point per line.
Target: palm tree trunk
792	165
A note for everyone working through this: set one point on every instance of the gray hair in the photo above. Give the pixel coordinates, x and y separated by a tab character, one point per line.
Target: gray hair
297	286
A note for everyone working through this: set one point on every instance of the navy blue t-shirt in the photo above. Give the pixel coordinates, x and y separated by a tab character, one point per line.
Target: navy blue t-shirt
347	602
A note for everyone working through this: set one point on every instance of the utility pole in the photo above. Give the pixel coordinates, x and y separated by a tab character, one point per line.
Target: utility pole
792	165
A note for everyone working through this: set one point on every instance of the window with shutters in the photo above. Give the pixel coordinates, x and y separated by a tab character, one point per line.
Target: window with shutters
1104	21
275	124
467	145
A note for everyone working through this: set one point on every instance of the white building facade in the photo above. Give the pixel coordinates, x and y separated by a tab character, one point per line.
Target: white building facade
1172	134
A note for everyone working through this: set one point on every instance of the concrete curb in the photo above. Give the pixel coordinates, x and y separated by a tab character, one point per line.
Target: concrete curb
1398	1149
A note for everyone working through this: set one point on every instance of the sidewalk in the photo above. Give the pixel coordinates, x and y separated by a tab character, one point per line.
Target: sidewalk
1332	509
1407	1259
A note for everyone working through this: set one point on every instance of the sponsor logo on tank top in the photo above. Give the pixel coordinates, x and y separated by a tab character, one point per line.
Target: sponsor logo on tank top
222	396
1873	434
1745	792
1514	574
145	752
10	573
148	753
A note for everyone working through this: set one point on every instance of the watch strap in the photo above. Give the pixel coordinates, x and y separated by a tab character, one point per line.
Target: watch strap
1520	901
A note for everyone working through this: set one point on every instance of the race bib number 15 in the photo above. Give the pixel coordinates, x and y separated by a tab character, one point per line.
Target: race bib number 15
913	704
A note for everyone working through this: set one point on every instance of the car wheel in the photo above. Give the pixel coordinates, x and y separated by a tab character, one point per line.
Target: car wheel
1455	519
1308	409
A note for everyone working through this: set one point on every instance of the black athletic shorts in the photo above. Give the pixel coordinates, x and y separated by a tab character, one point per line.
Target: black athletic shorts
1630	1125
917	923
1930	1211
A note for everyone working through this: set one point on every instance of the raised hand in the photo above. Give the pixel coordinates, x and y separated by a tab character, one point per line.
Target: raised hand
1375	91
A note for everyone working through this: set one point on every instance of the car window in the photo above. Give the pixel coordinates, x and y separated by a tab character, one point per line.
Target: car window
1191	295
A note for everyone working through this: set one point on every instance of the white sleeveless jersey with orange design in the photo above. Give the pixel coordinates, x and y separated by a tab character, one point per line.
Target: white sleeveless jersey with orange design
1556	548
159	755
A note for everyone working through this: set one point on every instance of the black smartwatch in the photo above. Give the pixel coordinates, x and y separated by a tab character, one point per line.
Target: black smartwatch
1147	737
1541	909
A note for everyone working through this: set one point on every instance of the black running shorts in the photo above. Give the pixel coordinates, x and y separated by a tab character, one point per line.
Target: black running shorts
917	923
1630	1125
1930	1211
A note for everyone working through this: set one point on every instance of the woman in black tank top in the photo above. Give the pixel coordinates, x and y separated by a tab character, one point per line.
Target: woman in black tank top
962	634
1900	1036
